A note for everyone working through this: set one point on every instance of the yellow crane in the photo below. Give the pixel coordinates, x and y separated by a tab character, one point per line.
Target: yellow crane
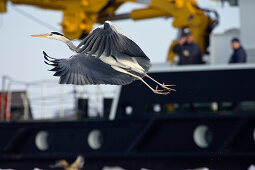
79	16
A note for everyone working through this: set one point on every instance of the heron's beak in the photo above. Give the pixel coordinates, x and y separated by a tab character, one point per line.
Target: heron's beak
41	35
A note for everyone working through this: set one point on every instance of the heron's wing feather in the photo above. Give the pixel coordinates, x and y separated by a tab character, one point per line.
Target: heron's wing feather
110	41
81	70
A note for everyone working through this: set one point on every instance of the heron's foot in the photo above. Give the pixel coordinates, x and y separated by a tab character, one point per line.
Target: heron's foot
163	92
167	87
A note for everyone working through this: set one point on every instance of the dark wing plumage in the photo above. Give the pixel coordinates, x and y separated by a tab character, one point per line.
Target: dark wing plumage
111	41
80	70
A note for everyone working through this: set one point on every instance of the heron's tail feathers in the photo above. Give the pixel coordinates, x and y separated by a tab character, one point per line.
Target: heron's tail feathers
145	63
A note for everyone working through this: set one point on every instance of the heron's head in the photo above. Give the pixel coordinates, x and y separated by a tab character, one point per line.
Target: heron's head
60	37
52	35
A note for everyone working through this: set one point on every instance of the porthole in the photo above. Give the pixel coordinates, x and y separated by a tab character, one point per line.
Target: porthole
202	136
95	139
41	140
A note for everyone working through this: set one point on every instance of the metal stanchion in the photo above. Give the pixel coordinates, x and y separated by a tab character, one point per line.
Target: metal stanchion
8	108
43	99
61	110
2	99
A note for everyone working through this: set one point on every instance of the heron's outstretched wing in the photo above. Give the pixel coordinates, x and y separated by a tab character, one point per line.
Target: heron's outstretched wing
81	70
109	40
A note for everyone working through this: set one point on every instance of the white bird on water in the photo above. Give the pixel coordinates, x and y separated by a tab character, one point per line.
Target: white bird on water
106	56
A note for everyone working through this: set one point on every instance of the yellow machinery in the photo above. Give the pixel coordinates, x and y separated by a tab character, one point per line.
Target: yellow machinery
80	15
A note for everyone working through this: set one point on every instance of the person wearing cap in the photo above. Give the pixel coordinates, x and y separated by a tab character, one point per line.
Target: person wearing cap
239	54
189	52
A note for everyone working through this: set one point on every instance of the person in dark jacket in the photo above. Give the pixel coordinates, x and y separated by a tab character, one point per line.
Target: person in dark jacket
189	52
239	54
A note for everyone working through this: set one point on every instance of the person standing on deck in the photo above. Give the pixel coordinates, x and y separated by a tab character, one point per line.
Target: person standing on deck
189	52
239	54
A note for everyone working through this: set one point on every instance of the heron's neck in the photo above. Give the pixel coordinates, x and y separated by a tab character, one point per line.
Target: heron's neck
68	43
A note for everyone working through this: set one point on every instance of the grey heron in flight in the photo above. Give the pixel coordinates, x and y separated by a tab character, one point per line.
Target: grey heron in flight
106	56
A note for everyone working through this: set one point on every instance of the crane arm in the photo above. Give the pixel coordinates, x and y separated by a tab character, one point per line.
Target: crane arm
79	16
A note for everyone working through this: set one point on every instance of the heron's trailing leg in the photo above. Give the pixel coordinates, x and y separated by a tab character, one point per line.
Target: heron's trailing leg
139	78
162	85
